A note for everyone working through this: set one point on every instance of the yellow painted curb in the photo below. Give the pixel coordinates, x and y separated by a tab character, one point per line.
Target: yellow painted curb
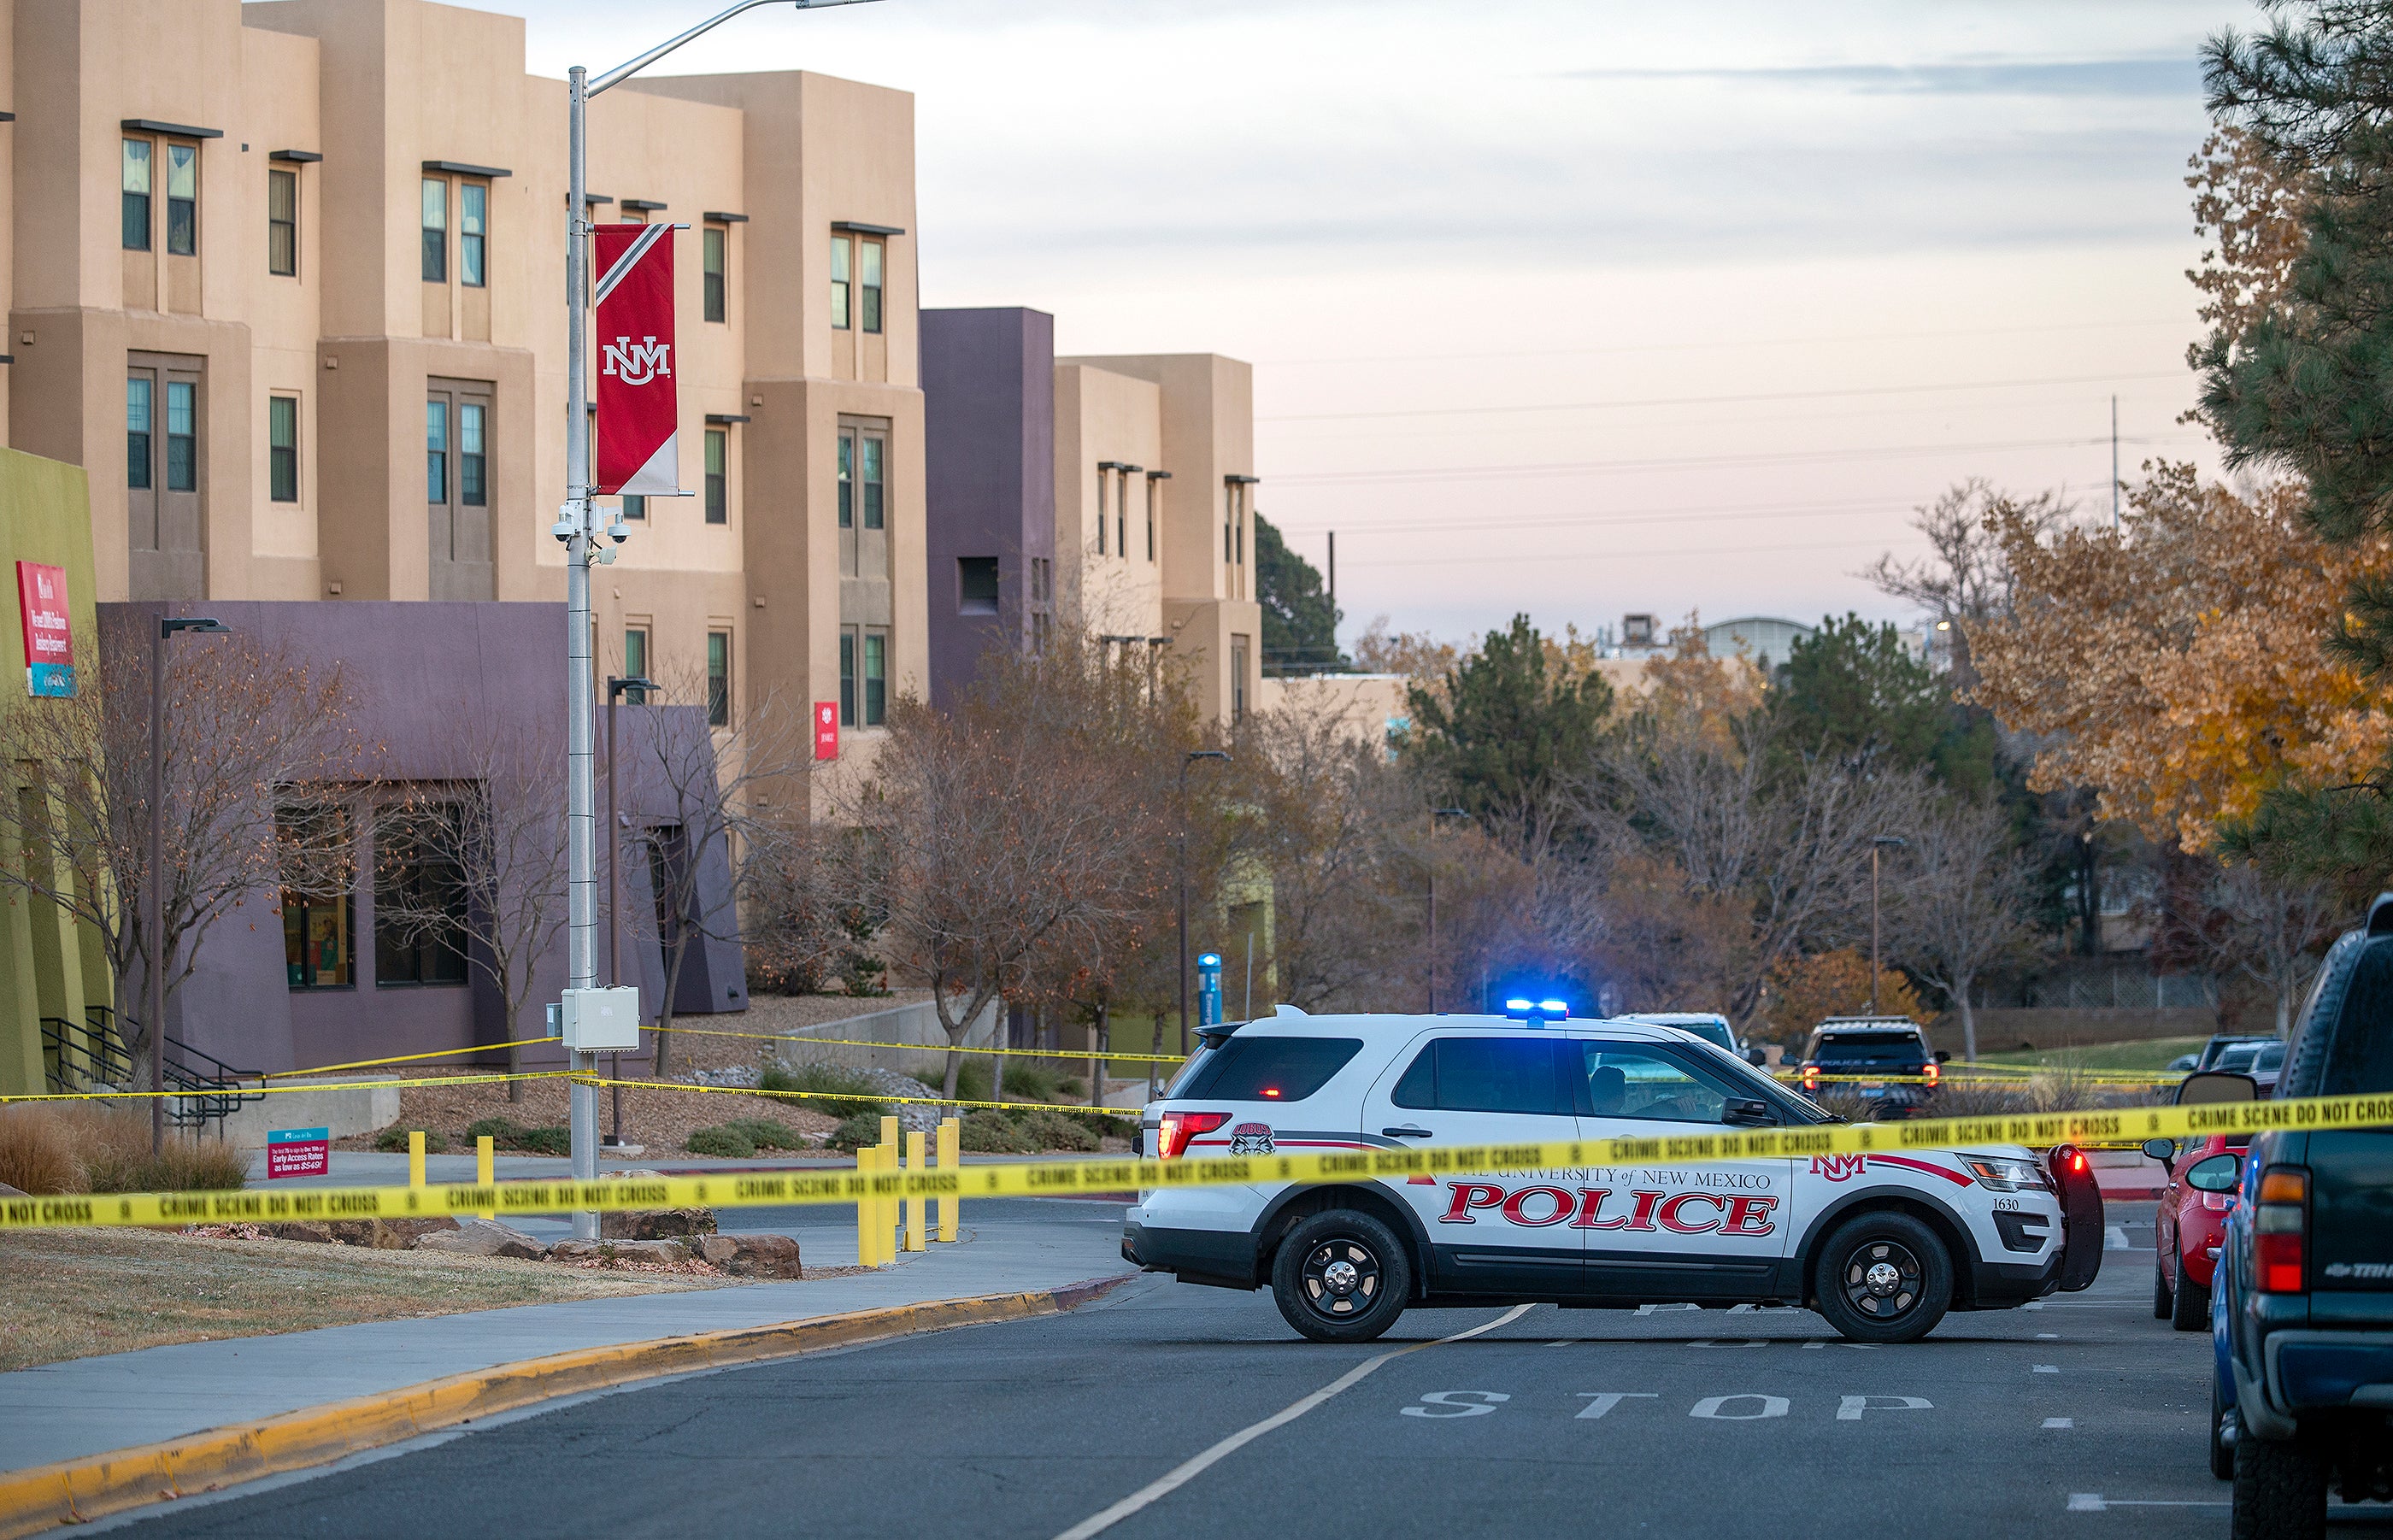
78	1491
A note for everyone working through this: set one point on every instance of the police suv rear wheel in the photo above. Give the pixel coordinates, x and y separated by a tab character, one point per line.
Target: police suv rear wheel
1341	1276
1883	1277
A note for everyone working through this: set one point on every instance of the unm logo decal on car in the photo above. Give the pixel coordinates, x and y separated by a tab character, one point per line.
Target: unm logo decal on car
1838	1167
1250	1139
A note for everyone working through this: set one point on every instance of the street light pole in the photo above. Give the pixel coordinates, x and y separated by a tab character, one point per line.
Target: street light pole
1194	755
614	691
1880	842
576	527
154	877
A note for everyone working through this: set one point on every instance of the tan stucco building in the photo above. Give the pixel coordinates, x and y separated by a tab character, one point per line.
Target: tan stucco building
285	279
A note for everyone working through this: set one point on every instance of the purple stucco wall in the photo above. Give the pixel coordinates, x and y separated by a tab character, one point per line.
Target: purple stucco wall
425	678
988	406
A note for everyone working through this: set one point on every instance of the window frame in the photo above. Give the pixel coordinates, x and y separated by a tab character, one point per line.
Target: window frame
436	455
473	452
718	476
435	251
843	264
718	678
871	270
636	662
182	209
876	676
848	647
715	267
473	234
140	461
282	449
872	474
281	230
129	200
846	474
183	469
449	945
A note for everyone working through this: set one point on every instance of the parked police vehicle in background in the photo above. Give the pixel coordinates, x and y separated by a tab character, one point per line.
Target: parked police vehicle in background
1710	1026
1881	1245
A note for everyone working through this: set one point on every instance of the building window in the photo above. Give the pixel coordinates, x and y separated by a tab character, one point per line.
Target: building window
975	585
1229	518
137	432
182	436
282	223
1238	655
636	662
876	677
872	449
1150	517
317	946
435	229
436	451
839	256
136	204
847	677
718	679
718	477
473	486
182	199
282	448
1121	517
420	899
472	224
869	265
1105	480
636	509
847	480
712	243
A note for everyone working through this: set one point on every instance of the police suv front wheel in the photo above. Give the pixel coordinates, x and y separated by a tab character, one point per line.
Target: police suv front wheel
1341	1276
1883	1277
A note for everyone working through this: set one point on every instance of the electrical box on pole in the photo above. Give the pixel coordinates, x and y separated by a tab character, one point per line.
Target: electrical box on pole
602	1020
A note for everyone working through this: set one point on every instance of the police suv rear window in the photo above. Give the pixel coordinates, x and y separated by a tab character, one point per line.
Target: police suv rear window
1269	1069
1875	1047
1484	1074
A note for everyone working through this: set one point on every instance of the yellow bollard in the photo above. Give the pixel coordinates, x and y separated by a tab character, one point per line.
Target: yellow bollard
891	1145
917	1233
415	1158
864	1209
951	1158
485	1168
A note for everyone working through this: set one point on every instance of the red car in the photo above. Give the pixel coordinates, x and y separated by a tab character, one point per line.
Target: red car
2202	1177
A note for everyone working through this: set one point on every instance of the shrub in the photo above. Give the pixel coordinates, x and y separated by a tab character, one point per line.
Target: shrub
835	1089
36	1155
502	1131
1026	1082
396	1138
766	1134
989	1132
508	1134
972	1080
856	1133
1048	1130
726	1141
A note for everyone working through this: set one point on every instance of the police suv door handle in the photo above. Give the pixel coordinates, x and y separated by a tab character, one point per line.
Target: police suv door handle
1410	1130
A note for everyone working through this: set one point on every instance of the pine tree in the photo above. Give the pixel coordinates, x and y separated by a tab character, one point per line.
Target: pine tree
1505	738
1300	626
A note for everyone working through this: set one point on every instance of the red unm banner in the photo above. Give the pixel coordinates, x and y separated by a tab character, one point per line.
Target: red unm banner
639	449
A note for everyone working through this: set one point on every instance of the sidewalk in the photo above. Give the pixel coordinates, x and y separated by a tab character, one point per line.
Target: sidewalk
92	1405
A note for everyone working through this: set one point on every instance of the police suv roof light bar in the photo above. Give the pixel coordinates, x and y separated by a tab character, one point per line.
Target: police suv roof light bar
1536	1012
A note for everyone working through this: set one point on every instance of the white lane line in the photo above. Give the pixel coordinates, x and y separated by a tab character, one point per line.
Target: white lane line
2059	1422
2047	1368
2114	1239
2094	1502
1180	1475
2047	1337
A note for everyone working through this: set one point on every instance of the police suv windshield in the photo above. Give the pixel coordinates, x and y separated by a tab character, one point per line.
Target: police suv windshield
1754	1083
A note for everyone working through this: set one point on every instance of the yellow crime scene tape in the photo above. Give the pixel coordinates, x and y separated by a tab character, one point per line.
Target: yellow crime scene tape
403	1059
1065	1179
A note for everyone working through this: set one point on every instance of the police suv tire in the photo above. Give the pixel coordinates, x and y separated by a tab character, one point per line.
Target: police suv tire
1341	1276
2280	1489
2163	1298
2190	1310
1883	1277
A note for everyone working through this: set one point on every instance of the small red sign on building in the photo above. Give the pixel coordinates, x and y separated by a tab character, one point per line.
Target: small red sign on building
826	729
298	1152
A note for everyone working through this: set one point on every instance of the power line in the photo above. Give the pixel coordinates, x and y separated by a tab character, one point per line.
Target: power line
1658	516
1736	342
1718	400
1543	558
1787	457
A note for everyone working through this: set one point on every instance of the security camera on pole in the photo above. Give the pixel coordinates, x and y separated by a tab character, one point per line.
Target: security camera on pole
637	417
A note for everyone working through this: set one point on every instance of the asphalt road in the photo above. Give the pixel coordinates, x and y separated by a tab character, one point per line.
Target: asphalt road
2083	1416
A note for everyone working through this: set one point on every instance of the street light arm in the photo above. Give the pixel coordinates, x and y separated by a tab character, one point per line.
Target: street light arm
623	71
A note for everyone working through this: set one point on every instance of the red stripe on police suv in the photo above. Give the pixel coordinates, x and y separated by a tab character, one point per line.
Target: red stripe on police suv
1732	1214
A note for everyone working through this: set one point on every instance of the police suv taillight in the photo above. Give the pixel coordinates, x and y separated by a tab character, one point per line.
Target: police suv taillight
2281	1229
1171	1136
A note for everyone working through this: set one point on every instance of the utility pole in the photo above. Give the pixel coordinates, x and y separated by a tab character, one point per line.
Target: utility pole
153	876
2114	464
576	525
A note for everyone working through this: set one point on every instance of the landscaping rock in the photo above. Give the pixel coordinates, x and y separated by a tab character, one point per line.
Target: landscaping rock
655	1224
753	1256
606	1253
483	1238
298	1229
397	1234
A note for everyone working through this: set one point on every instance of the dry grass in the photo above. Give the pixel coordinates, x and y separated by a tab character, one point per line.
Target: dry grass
74	1293
88	1148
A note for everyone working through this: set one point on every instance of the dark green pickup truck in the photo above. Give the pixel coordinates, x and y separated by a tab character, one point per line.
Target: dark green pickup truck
2303	1301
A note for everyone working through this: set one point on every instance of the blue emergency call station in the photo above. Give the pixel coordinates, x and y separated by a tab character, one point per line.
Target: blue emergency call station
1208	989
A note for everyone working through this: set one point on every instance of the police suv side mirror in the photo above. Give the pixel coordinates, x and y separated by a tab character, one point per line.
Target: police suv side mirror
1748	1114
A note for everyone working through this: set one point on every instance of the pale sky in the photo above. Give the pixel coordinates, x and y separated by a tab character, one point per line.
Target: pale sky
1560	306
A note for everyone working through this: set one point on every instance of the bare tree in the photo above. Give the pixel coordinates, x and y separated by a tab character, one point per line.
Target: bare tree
476	868
259	759
1962	900
2241	919
1965	579
724	844
1031	822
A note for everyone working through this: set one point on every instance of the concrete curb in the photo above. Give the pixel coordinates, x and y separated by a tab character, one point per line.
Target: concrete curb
78	1491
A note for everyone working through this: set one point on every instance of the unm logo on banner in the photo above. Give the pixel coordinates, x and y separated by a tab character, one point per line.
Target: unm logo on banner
639	451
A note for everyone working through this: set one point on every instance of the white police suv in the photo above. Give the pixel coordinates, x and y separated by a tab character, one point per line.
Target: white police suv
1880	1244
